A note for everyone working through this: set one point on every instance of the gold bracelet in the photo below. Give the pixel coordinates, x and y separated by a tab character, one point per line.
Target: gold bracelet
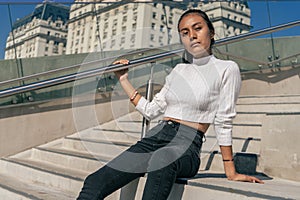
133	96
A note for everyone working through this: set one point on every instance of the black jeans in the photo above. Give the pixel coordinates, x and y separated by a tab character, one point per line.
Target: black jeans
169	151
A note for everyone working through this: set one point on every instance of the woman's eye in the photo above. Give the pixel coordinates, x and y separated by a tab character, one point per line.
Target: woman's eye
198	28
184	33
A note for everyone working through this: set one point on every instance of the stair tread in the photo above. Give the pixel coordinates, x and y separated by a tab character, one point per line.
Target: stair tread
99	140
33	190
49	168
272	189
214	184
75	153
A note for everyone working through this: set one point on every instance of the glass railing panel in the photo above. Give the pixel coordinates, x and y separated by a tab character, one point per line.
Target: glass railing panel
263	52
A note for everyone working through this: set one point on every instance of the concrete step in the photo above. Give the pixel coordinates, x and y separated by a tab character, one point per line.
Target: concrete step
214	185
268	99
249	118
246	131
96	147
269	108
12	188
111	132
71	159
43	173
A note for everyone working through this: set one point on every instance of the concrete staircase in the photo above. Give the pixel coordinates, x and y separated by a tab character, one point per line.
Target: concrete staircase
56	170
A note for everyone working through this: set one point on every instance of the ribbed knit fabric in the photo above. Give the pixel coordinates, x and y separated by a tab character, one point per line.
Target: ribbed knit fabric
204	92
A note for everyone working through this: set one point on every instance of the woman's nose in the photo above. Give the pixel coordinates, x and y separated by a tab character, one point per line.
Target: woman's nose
193	35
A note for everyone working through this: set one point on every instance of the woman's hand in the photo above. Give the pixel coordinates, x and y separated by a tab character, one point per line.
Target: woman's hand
122	74
245	178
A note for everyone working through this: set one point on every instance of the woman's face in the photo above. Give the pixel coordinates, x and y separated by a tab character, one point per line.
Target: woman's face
195	35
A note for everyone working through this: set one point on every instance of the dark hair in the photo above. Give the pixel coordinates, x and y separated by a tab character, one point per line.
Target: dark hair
187	57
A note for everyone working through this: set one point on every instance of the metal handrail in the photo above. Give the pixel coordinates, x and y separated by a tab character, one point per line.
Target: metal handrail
85	74
133	63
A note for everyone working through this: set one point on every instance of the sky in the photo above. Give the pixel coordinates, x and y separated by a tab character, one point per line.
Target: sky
281	11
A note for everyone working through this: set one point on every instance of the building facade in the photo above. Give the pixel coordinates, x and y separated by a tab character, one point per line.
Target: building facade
229	18
42	33
130	25
102	26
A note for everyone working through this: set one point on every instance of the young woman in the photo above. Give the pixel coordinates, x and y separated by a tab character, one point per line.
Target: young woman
197	93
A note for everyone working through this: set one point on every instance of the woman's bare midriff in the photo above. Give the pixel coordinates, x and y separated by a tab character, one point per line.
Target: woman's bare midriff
199	126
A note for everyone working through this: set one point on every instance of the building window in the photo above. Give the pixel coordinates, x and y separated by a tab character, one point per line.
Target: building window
124	19
153	26
161	28
122	40
152	37
134	26
55	49
134	18
115	22
132	39
113	42
160	39
170	20
154	15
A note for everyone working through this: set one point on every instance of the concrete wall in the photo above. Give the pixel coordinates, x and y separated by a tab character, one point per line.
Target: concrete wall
276	83
34	124
280	149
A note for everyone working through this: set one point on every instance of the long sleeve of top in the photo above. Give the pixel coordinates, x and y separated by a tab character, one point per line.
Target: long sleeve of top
203	92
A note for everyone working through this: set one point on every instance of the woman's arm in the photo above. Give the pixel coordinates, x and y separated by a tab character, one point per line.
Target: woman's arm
122	75
229	167
231	84
148	109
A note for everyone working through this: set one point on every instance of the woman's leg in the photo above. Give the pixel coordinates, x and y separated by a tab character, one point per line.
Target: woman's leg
160	182
180	158
128	166
105	181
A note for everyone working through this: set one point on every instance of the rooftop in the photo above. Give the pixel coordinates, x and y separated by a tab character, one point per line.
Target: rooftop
45	11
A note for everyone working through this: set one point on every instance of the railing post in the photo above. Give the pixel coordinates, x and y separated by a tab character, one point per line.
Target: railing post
149	96
128	192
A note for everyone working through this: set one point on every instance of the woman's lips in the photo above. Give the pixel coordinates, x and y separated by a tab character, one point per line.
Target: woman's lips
195	44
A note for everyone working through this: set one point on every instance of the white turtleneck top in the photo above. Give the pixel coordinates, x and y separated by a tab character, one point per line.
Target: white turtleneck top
203	92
